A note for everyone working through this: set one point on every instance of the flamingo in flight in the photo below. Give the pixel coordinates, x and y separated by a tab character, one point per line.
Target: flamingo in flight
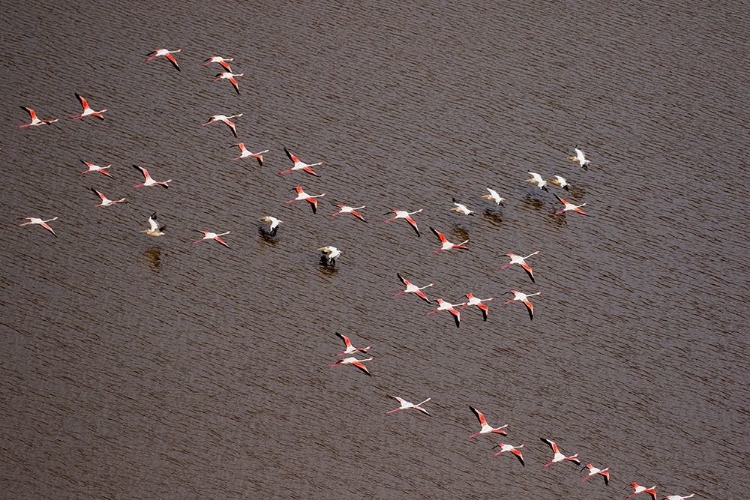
166	53
223	61
405	405
451	308
637	488
106	201
447	245
148	181
228	75
273	224
350	349
569	206
311	199
95	168
561	182
244	153
358	363
494	196
538	180
525	299
580	158
208	235
559	457
346	209
486	428
476	301
521	261
35	121
226	119
87	109
43	223
513	449
153	227
678	497
594	471
412	288
460	208
299	165
330	254
403	214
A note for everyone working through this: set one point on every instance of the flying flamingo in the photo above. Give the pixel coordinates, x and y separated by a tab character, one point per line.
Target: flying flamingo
494	197
226	119
594	471
208	235
106	201
166	53
637	488
350	349
35	122
228	75
476	301
447	245
43	223
299	165
513	449
521	261
451	308
559	457
460	208
560	181
311	199
224	61
95	168
678	497
538	180
359	363
346	209
273	224
486	428
569	206
403	214
153	227
87	110
580	158
244	153
148	180
405	405
330	254
412	288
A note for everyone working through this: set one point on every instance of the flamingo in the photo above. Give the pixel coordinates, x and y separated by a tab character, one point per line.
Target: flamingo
311	199
476	301
208	235
521	261
166	53
43	223
561	182
494	197
346	209
569	206
299	165
35	122
447	245
224	61
559	457
678	497
637	488
148	180
525	299
513	449
154	229
350	349
460	208
405	405
403	214
226	119
228	75
412	288
594	471
106	201
244	153
451	308
273	224
359	363
580	158
96	168
329	255
538	180
87	109
486	428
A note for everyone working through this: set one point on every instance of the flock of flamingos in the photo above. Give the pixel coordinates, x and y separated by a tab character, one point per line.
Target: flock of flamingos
329	254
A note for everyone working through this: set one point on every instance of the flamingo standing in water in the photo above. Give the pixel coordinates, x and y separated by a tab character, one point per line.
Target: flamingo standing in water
224	61
513	449
521	261
405	405
637	488
447	245
412	288
106	201
148	180
346	209
166	53
35	121
228	75
476	301
43	223
525	299
569	206
311	199
299	165
486	428
451	308
559	457
87	111
580	158
226	119
244	153
359	363
350	349
208	235
403	214
95	168
594	471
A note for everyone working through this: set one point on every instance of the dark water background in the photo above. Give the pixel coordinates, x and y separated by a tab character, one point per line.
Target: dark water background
135	367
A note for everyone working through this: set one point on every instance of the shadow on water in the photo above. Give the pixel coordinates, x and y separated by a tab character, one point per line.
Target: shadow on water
493	216
267	236
153	258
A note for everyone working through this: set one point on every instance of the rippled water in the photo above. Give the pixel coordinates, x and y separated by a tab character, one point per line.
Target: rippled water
135	367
